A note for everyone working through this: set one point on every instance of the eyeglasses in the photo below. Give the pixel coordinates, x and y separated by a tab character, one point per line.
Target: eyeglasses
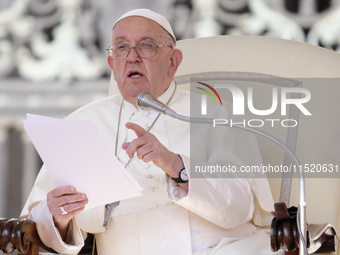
143	49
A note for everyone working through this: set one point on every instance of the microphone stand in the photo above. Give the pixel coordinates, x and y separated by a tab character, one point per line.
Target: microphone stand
147	101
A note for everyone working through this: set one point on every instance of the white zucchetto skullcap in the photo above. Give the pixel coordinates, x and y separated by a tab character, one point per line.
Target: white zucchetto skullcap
161	20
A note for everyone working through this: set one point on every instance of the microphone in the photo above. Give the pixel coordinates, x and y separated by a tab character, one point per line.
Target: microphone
146	100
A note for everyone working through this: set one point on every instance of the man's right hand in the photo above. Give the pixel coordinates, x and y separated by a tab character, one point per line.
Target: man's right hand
71	201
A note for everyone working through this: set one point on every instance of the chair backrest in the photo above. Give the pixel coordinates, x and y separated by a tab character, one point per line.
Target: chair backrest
290	60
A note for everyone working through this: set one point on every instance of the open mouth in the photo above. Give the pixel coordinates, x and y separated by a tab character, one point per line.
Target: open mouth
135	74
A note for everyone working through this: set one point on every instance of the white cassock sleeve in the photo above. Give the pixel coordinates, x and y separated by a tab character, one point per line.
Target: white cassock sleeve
226	202
50	236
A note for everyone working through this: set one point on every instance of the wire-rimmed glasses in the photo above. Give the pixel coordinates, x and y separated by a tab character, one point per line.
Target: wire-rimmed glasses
143	49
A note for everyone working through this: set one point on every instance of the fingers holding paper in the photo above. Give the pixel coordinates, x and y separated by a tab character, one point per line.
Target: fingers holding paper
64	203
148	148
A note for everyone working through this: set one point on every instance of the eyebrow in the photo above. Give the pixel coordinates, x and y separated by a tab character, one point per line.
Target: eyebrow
120	38
148	38
142	39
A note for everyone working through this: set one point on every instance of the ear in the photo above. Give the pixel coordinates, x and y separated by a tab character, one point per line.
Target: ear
176	60
110	62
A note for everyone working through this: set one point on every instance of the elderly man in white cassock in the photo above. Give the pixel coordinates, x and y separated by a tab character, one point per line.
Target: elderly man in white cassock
177	214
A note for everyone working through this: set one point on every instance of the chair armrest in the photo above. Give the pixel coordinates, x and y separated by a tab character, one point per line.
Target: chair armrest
20	235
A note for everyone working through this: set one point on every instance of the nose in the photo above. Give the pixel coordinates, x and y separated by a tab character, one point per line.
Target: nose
133	55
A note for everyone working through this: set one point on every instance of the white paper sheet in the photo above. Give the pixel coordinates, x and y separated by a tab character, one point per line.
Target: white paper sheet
75	154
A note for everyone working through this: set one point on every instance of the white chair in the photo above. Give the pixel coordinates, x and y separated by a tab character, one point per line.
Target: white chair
287	59
318	139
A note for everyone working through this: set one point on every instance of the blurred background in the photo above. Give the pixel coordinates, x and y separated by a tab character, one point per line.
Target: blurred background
53	58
